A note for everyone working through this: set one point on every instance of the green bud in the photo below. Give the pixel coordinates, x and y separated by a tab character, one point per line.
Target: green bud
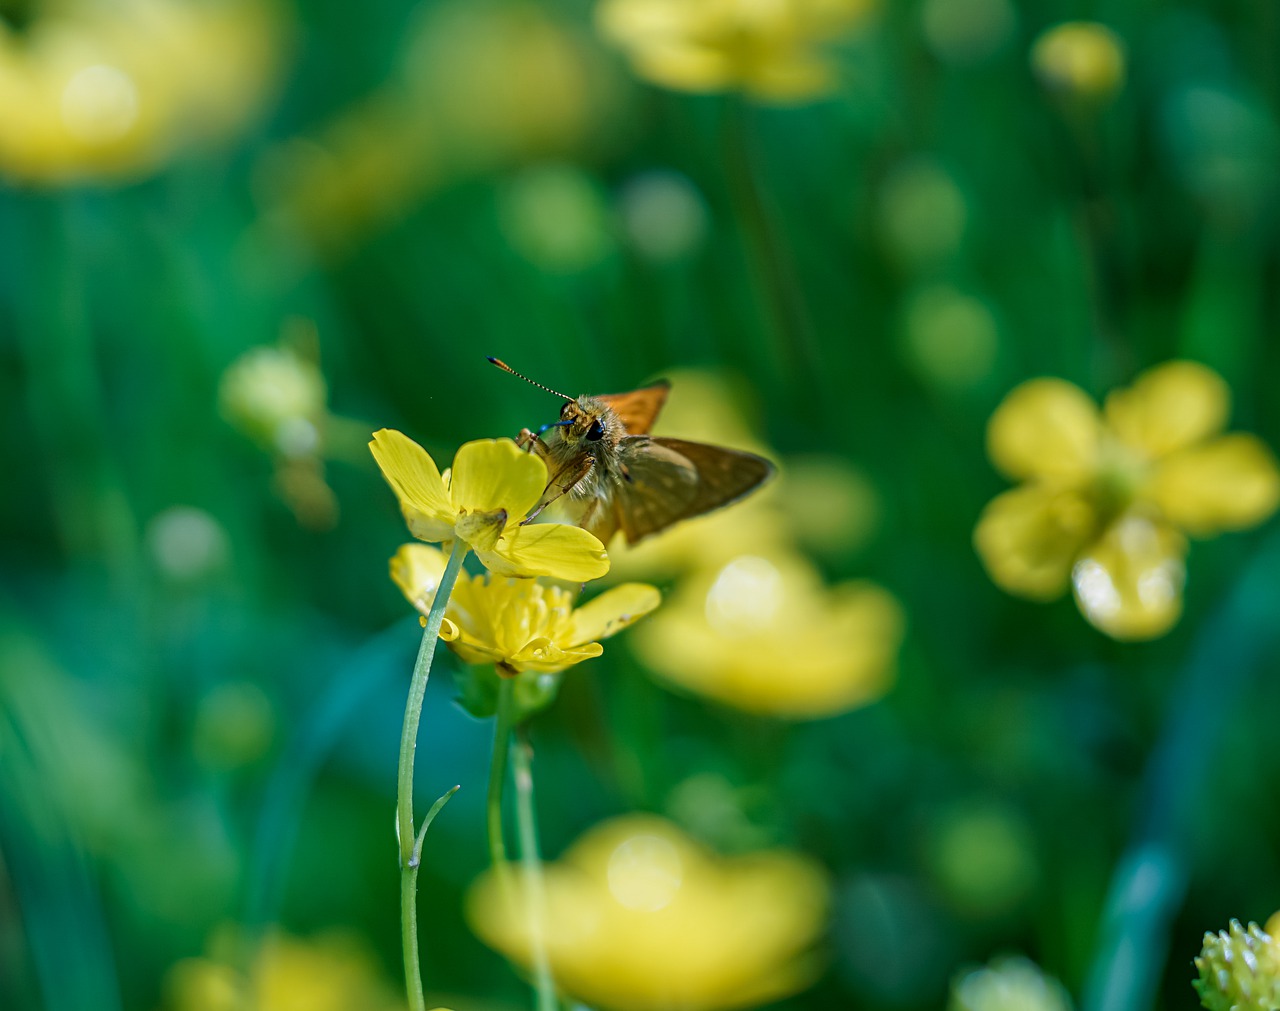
1239	970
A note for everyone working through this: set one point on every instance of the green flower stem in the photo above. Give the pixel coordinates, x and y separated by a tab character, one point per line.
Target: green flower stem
498	770
531	865
410	842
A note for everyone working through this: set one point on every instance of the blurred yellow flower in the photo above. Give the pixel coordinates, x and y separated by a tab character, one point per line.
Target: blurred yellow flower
765	635
478	85
1080	60
769	49
1108	496
1239	969
330	972
639	917
491	488
518	624
95	91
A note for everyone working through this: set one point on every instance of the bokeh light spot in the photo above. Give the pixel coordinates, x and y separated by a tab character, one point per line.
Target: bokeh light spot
645	872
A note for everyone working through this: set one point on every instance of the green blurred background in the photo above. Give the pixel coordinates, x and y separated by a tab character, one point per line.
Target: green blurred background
203	662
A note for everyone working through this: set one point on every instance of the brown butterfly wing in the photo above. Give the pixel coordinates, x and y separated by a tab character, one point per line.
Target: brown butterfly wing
638	409
671	479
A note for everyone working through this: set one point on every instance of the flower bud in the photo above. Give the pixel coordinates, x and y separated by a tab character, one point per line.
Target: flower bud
1239	970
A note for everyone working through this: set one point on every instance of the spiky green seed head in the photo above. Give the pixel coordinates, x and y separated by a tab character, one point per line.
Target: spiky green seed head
1239	970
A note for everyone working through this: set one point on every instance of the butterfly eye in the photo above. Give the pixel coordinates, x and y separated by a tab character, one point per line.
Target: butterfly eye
596	432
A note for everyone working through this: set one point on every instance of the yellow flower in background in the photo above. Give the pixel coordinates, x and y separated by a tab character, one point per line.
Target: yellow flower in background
1108	496
491	488
518	624
765	635
639	917
331	972
114	91
769	49
478	85
1081	61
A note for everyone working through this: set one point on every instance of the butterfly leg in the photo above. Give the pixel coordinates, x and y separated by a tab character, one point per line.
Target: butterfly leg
530	442
562	483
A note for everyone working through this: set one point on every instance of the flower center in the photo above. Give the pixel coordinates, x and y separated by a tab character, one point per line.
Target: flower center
1120	476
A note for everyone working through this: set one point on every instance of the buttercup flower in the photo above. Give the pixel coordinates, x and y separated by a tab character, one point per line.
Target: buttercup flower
1239	969
482	501
518	624
764	634
766	48
95	91
331	972
1108	496
639	917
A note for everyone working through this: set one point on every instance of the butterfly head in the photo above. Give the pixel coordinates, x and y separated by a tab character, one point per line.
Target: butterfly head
589	422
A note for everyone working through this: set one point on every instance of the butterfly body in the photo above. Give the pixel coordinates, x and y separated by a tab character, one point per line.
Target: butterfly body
601	456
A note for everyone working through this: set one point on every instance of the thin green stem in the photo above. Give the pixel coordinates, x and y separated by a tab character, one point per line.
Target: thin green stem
498	771
531	866
409	844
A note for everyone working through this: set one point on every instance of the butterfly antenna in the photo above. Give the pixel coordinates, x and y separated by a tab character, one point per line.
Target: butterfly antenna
507	368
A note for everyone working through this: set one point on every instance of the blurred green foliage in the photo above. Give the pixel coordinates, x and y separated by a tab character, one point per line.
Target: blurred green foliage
201	681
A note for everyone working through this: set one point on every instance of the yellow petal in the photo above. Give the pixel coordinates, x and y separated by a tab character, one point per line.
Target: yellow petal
1169	407
544	657
1045	428
1029	537
471	650
1229	484
684	67
613	611
493	474
547	549
1129	583
415	479
416	569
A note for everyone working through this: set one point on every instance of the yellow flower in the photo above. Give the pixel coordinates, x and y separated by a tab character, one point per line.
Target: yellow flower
763	634
518	624
331	972
482	501
114	91
1108	496
766	48
1080	60
639	917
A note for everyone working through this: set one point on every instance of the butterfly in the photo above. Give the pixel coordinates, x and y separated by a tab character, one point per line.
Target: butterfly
600	454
